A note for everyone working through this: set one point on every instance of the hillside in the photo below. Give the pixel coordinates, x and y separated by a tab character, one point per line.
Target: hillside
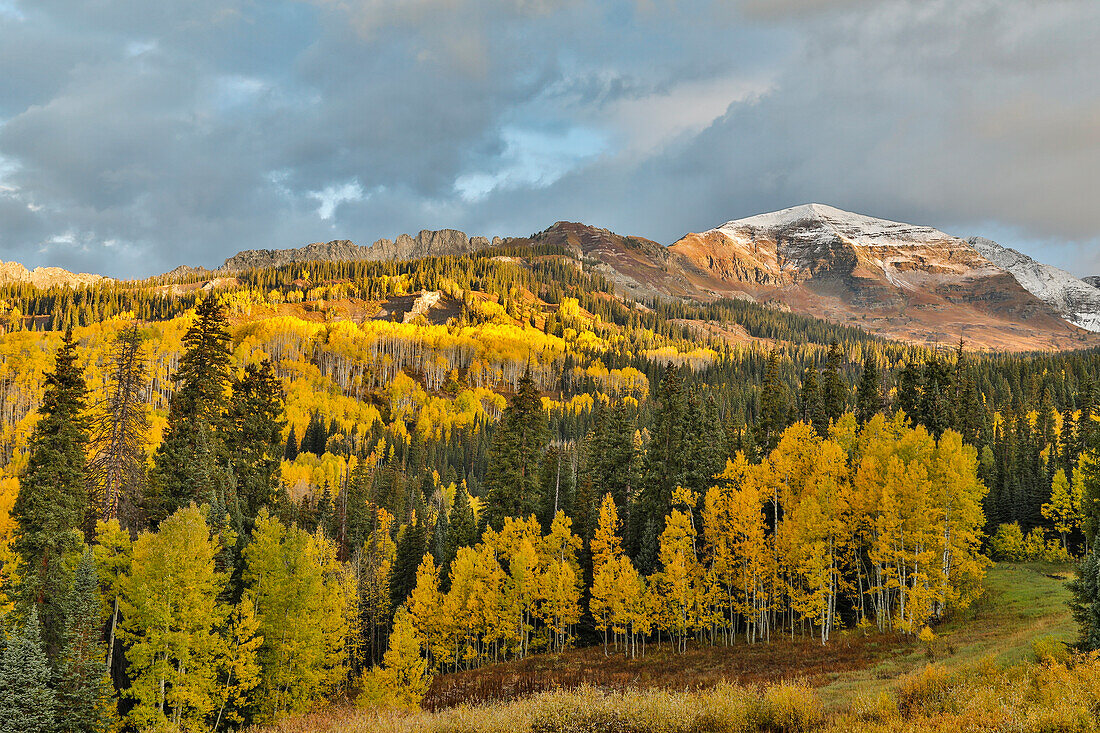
900	281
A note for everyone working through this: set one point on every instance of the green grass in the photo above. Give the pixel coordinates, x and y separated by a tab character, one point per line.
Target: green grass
1021	604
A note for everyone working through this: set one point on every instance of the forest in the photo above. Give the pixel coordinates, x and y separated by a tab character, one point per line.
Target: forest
222	506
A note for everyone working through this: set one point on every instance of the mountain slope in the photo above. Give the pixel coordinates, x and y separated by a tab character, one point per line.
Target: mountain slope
899	280
1077	301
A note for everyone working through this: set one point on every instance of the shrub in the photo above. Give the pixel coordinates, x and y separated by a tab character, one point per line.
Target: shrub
790	708
924	691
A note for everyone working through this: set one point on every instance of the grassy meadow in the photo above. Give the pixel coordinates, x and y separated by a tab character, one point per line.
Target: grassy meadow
998	666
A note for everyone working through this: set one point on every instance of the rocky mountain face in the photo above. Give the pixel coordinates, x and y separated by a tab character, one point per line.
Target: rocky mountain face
899	280
425	244
1093	280
46	277
1075	300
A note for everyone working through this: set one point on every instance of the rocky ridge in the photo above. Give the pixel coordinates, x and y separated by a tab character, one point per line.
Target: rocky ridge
426	243
1076	300
47	277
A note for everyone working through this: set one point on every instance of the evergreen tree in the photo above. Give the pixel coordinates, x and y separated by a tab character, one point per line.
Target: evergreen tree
834	392
27	703
190	464
462	529
774	405
869	392
511	476
52	506
255	436
411	547
85	701
117	471
663	468
1085	604
812	407
291	450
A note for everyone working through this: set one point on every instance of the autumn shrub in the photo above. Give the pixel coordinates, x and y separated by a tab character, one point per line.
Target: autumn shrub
923	691
875	707
790	708
1050	649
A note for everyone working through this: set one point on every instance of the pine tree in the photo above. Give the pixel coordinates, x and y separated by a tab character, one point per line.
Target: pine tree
869	392
116	471
1085	603
190	464
812	407
290	452
511	477
85	699
462	529
663	467
255	425
834	392
411	547
774	405
52	507
27	703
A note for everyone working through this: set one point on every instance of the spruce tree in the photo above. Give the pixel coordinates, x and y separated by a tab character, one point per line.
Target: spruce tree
190	464
812	406
255	426
1085	602
774	405
834	392
85	701
52	507
663	468
117	470
411	547
27	703
511	476
869	392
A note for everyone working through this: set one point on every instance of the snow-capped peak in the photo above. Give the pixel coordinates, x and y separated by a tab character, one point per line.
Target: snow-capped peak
814	220
1076	300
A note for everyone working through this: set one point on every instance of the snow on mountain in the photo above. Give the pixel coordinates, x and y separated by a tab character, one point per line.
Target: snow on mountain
1078	301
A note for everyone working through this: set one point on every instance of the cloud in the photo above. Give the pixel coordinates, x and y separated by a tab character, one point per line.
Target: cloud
146	134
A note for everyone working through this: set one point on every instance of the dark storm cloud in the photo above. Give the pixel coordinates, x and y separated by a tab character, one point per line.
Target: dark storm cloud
135	136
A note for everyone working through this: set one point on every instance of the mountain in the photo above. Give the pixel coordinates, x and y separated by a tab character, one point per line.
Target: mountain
1093	280
909	282
46	277
1077	301
425	244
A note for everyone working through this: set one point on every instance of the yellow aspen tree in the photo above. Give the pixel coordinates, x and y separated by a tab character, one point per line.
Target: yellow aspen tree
1061	510
520	597
170	618
404	675
679	578
113	556
240	665
959	495
460	609
559	601
606	544
424	606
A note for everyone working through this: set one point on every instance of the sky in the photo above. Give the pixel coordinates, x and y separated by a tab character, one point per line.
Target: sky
136	136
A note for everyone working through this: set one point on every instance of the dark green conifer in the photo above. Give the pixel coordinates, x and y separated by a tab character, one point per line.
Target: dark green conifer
52	509
84	693
254	440
511	477
27	702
